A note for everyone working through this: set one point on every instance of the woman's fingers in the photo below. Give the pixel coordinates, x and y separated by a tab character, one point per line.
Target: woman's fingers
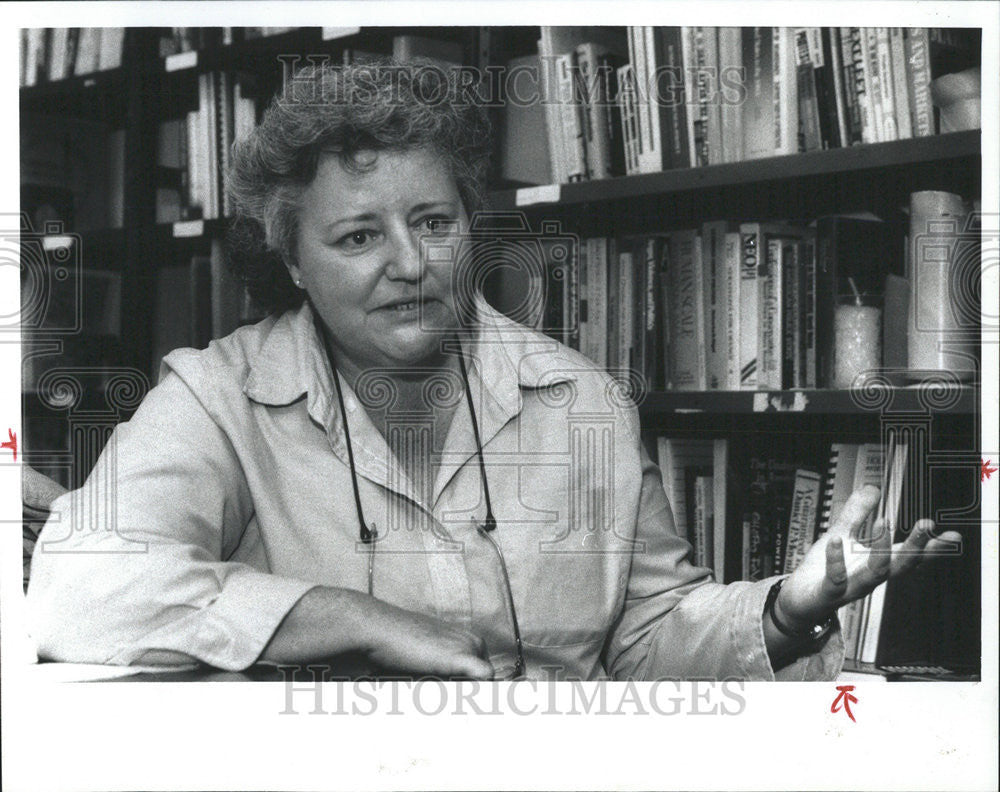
856	511
880	551
920	545
835	580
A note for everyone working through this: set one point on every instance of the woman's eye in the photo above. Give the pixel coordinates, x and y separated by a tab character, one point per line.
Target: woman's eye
436	225
357	238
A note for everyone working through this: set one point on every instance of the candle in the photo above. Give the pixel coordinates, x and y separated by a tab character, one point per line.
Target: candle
857	342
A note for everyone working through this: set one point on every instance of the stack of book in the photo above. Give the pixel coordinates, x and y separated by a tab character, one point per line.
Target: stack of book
648	99
750	514
51	54
194	152
727	306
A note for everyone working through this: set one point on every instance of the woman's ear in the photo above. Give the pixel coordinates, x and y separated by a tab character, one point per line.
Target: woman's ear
296	275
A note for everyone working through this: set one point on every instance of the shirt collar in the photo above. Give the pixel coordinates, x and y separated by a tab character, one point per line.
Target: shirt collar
505	355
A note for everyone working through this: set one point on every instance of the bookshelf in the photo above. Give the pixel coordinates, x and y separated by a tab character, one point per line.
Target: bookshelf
155	85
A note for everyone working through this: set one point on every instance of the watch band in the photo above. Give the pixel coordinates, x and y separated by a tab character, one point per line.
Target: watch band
814	633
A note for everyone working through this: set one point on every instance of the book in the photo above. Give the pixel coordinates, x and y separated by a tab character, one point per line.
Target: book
785	92
900	90
869	467
724	489
674	456
112	48
802	517
758	109
889	507
837	484
731	93
703	516
887	100
686	313
672	94
524	144
852	85
571	116
731	266
445	53
628	112
599	112
807	312
597	299
716	299
749	300
791	328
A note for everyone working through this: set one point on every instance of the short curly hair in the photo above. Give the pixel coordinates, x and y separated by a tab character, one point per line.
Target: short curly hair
380	104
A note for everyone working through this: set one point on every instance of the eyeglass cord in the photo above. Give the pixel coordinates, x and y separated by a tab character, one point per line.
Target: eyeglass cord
369	535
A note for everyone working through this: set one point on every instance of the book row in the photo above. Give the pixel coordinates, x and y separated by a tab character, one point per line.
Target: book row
647	99
727	306
51	54
751	514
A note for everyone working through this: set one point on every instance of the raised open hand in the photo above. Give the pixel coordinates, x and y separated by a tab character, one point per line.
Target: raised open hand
840	568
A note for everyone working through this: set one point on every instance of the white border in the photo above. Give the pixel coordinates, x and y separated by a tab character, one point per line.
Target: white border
230	736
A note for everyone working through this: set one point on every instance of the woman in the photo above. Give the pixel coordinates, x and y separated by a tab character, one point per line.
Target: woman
463	498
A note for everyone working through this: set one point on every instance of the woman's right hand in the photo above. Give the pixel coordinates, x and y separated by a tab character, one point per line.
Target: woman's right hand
330	621
411	643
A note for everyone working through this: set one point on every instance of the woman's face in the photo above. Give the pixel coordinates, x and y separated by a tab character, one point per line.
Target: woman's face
359	256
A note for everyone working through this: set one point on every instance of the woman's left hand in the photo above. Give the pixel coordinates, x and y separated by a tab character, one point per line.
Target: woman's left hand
829	577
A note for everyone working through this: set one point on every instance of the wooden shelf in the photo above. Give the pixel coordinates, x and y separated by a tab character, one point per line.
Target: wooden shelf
853	160
959	400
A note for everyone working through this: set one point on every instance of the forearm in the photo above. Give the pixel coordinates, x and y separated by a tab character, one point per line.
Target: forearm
326	621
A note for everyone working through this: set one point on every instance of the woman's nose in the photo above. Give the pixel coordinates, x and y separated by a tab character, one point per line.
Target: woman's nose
404	259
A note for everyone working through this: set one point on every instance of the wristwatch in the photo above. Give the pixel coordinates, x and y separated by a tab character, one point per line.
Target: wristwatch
815	633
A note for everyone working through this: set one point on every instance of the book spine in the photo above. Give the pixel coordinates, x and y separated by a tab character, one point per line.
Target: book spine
753	518
887	99
597	310
853	81
640	73
667	309
676	107
569	104
613	305
627	114
654	152
918	69
810	137
825	299
769	329
786	121
861	84
689	68
807	311
731	276
758	114
626	307
720	477
714	106
836	65
874	81
571	306
685	314
749	304
901	93
583	300
553	112
652	354
714	315
700	524
730	61
702	88
791	330
802	518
